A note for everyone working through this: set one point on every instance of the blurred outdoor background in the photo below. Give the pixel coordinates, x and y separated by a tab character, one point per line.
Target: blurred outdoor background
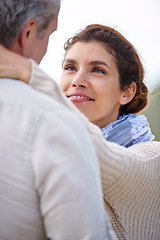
138	21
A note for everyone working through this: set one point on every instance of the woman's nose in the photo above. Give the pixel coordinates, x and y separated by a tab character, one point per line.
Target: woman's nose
80	80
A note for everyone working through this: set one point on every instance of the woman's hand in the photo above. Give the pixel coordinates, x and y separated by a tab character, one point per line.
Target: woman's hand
14	66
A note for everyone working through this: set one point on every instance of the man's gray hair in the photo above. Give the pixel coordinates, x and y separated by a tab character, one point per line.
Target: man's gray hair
15	13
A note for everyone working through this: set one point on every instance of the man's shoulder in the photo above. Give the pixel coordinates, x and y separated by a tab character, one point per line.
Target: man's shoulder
20	99
20	93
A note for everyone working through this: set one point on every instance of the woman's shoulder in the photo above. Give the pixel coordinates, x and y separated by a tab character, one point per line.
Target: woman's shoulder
147	150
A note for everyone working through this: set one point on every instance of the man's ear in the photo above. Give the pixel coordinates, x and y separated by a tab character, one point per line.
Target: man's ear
128	94
28	34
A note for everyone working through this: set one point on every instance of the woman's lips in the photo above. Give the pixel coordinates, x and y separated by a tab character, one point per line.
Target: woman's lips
79	97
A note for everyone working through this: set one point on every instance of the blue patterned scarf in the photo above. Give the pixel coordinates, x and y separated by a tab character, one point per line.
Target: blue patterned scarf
128	130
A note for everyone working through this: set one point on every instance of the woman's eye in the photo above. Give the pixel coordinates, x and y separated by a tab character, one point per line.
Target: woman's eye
69	68
98	70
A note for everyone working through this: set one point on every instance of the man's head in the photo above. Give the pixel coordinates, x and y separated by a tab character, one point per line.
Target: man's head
25	26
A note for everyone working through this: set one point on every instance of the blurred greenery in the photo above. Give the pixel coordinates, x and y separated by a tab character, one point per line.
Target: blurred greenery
152	112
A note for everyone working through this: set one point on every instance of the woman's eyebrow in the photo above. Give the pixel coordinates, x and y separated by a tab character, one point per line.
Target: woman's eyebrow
99	63
70	60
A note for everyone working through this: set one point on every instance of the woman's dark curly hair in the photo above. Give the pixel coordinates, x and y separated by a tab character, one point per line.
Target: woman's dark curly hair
127	60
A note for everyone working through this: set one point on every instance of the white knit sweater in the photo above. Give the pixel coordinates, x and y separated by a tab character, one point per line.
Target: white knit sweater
130	176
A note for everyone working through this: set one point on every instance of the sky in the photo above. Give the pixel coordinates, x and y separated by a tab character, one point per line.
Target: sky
137	20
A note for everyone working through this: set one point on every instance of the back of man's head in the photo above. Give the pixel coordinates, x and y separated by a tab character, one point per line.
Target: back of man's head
15	13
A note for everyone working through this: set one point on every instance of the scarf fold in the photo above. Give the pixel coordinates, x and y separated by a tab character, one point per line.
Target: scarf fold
128	130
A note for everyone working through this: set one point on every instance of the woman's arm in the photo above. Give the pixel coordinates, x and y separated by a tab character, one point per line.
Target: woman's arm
13	65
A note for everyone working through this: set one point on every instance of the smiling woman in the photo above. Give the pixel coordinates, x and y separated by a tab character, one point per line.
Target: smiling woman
103	77
91	81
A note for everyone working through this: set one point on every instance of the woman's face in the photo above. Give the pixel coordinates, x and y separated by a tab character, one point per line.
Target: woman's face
90	80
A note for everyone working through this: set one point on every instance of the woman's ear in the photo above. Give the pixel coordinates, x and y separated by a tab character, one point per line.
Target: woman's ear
128	94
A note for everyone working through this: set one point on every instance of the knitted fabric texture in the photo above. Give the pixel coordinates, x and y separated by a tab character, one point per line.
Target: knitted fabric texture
132	201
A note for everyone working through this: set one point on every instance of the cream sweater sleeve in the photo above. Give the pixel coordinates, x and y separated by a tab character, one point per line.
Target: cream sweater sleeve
133	200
